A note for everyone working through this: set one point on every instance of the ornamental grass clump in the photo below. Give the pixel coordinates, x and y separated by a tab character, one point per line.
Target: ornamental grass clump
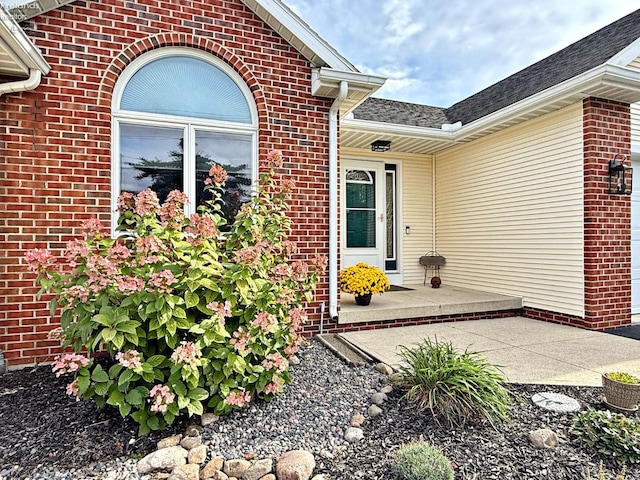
362	279
189	317
422	461
454	386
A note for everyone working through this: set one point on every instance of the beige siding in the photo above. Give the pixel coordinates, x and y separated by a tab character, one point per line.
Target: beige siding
635	63
417	212
509	212
635	124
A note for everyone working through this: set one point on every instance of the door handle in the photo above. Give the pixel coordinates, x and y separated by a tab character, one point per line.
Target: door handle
382	217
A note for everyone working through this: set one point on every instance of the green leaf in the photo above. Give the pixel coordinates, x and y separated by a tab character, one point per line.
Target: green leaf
83	383
102	388
198	394
102	319
183	402
180	389
191	299
99	375
115	370
124	408
125	377
156	360
116	398
134	398
108	334
179	312
154	423
195	408
128	327
118	340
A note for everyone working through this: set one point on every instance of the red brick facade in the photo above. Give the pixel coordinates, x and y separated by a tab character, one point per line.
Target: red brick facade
607	218
56	161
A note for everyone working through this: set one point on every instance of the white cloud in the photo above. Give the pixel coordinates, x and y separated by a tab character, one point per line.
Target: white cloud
439	53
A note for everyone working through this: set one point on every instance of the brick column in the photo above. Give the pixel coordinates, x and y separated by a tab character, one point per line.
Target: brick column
607	218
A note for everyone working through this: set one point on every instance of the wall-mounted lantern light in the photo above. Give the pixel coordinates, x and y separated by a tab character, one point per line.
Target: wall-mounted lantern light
381	146
620	176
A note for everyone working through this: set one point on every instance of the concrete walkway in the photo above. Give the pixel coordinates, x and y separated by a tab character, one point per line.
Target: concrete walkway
529	351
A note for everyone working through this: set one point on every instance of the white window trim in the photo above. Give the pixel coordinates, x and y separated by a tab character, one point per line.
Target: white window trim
188	124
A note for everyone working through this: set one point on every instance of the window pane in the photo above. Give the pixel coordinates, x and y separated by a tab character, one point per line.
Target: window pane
234	153
186	87
151	157
361	228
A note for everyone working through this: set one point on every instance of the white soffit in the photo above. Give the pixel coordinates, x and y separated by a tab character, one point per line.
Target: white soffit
26	9
18	55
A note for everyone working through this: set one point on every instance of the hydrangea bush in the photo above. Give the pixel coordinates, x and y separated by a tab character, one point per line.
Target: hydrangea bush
189	317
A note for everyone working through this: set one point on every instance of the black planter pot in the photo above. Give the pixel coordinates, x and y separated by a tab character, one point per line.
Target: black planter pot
363	300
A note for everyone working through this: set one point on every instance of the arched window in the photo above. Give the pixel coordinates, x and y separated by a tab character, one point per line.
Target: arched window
177	112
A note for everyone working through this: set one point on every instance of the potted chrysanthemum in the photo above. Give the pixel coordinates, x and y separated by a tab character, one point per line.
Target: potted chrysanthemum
621	390
363	281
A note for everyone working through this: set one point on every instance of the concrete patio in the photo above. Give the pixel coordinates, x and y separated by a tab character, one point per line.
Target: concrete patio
530	351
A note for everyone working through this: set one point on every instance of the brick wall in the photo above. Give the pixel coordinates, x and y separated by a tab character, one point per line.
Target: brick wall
607	218
56	143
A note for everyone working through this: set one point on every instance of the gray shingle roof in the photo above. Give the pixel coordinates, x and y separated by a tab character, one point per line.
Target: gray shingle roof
583	55
401	113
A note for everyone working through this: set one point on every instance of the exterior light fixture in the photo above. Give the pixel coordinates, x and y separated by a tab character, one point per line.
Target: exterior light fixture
381	145
620	176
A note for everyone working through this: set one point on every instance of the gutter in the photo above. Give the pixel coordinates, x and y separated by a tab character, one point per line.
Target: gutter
333	200
35	76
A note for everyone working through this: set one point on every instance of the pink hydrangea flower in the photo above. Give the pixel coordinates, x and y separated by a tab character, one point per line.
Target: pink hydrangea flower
73	388
69	362
162	281
118	254
273	160
129	284
201	227
187	353
218	175
94	228
76	251
130	359
274	386
266	322
239	398
172	211
77	294
160	398
223	309
277	361
126	202
146	203
39	260
239	341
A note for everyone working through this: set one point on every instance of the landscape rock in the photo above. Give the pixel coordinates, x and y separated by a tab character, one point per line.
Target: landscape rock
190	442
386	389
258	470
189	471
295	465
171	441
269	476
357	420
236	467
395	378
214	465
373	411
197	454
164	459
208	419
294	360
378	398
193	430
353	434
543	438
384	369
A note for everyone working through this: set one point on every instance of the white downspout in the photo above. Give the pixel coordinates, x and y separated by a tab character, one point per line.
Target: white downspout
333	200
30	83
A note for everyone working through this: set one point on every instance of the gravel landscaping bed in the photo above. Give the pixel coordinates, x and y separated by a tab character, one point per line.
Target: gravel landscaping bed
46	434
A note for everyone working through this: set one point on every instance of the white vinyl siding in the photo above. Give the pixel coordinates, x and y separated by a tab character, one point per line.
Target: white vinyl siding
417	212
635	125
509	212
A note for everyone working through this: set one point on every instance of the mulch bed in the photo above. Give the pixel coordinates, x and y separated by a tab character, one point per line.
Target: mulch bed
40	424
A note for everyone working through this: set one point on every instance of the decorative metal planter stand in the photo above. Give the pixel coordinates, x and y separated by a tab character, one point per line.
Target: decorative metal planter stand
431	262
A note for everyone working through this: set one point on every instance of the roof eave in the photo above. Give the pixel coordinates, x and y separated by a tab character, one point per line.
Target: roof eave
23	54
291	27
325	82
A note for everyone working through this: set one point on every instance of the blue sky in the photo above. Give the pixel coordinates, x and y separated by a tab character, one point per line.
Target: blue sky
440	52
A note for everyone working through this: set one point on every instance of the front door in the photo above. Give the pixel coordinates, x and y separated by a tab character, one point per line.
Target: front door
363	213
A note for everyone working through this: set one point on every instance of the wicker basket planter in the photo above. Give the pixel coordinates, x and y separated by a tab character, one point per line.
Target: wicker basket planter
624	396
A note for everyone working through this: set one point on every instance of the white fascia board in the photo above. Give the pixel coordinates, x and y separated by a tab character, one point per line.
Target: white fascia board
18	44
408	131
282	17
575	88
331	78
627	55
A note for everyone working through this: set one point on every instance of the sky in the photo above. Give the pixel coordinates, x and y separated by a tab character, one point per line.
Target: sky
437	52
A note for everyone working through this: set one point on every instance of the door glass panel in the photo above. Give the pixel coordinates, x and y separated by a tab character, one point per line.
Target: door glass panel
151	157
361	209
390	192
